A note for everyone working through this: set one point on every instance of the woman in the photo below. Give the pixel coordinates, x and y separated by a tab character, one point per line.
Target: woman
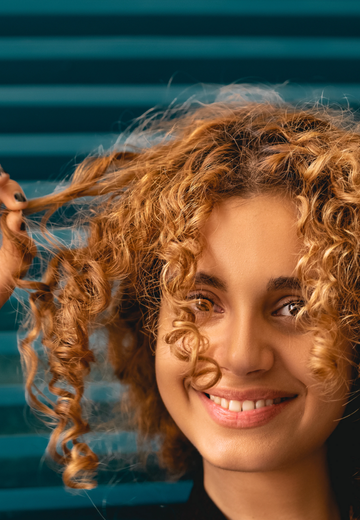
223	262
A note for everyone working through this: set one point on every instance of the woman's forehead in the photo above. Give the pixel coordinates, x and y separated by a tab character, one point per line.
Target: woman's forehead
251	237
265	215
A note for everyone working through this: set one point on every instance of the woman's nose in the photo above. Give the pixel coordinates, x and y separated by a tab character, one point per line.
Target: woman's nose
245	347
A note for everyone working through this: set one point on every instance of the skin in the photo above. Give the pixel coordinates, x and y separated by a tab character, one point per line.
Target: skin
277	470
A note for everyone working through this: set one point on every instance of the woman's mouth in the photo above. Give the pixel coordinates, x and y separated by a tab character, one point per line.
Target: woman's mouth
246	413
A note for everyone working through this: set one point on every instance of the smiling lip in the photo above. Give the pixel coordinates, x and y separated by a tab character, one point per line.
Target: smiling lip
249	418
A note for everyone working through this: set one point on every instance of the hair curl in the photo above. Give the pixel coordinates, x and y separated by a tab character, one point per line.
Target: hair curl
143	226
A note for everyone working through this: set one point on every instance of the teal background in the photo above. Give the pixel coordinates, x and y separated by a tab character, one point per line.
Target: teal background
73	74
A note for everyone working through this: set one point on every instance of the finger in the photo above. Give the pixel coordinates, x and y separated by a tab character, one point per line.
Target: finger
9	253
12	257
15	222
4	177
12	195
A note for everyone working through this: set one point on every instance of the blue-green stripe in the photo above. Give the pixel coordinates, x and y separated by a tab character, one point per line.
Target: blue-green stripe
147	96
53	144
158	7
14	394
106	496
163	47
17	446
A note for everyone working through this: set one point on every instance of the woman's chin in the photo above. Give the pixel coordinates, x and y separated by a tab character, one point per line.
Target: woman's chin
246	460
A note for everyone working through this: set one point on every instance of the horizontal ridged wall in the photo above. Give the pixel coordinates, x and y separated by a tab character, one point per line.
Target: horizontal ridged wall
73	74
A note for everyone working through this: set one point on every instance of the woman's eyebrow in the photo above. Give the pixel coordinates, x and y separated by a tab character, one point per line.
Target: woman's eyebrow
283	282
212	280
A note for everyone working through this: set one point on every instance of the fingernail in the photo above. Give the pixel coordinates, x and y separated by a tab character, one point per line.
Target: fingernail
20	197
23	226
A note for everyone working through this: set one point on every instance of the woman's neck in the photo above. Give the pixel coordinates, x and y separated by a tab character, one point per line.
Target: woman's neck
292	493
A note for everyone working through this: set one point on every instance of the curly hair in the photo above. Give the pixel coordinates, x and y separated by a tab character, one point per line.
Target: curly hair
146	208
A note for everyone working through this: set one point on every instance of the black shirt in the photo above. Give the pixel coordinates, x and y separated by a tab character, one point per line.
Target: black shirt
199	505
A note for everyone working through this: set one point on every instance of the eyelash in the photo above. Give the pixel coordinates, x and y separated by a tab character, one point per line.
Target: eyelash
201	296
299	302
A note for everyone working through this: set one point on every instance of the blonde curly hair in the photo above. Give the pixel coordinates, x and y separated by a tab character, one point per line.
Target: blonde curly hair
146	208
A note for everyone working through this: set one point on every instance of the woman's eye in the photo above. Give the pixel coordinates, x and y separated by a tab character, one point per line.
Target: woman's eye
290	308
203	303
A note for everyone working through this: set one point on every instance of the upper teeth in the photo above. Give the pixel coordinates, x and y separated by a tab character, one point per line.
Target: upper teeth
241	406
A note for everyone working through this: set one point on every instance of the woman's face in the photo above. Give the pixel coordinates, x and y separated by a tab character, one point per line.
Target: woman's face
247	273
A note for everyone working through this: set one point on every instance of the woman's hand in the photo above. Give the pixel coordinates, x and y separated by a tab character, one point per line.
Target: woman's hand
11	258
